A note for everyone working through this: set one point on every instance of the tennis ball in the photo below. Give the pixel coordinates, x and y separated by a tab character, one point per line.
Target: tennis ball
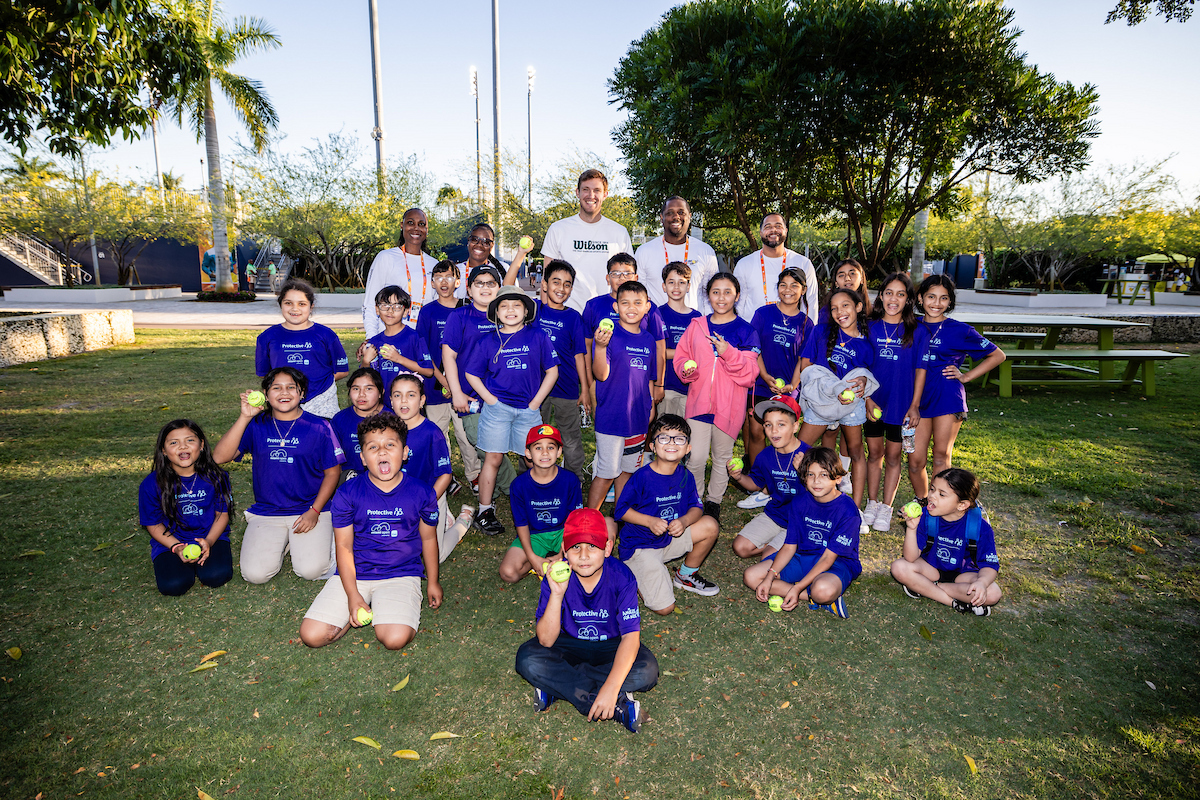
847	395
192	551
446	391
775	602
365	616
877	412
735	464
779	384
526	243
256	399
560	572
689	365
605	325
912	510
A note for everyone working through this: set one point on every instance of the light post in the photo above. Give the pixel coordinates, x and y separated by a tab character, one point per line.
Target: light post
377	83
496	117
530	73
478	158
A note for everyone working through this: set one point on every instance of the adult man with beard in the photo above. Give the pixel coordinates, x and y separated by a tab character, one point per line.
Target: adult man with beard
676	245
758	273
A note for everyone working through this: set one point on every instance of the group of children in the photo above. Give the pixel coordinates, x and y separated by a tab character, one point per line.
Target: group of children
358	496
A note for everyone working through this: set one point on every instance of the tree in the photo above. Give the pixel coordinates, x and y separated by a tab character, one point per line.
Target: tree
1134	12
222	45
75	71
858	114
129	216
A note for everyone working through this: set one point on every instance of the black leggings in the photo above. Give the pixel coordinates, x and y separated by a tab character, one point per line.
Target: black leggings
175	577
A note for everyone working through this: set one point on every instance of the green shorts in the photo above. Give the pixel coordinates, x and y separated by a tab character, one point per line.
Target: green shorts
548	543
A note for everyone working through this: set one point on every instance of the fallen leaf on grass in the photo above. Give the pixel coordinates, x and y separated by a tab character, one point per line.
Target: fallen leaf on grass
81	769
786	703
971	764
102	546
697	756
203	795
401	684
213	655
925	633
202	667
726	697
1156	541
1135	548
679	611
14	653
32	553
444	735
1152	686
411	755
368	741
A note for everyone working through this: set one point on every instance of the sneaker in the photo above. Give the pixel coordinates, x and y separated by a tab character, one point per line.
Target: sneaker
756	500
696	583
628	712
960	606
486	521
883	517
846	484
475	485
868	513
713	510
967	608
837	608
911	593
544	699
453	488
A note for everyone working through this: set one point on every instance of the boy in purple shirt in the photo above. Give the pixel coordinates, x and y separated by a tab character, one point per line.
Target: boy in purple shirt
588	648
384	527
676	316
431	326
398	348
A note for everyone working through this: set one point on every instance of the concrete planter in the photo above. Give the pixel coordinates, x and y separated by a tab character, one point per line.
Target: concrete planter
1031	300
338	300
50	295
155	292
37	337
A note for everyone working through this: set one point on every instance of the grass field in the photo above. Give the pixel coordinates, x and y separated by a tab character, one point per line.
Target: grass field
1084	683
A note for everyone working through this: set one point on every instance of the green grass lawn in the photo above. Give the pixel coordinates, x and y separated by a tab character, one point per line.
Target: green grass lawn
1084	682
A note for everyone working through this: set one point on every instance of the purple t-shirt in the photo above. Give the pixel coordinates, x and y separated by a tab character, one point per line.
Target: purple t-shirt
464	327
605	307
544	507
950	342
428	453
198	503
674	324
290	459
775	473
949	550
816	527
387	534
623	399
848	353
667	497
410	345
609	612
345	427
512	365
430	325
316	351
895	367
565	329
783	339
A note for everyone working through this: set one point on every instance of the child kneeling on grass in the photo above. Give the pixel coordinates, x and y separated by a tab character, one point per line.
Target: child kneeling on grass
950	550
822	536
588	648
385	536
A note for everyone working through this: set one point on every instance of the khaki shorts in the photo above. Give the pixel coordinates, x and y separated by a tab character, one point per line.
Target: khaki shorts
617	454
393	601
649	566
762	531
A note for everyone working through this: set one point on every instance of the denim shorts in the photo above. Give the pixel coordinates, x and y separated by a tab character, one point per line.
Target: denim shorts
502	428
855	414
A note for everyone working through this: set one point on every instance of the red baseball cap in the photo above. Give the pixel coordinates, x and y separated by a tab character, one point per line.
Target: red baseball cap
781	402
585	525
538	432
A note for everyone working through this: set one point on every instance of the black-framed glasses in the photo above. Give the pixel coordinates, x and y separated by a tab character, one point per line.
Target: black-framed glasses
479	240
665	439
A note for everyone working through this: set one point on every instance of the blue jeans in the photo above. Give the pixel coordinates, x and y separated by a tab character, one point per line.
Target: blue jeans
174	577
574	669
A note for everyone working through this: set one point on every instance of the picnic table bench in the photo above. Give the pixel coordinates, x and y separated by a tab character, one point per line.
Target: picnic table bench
1134	281
1058	362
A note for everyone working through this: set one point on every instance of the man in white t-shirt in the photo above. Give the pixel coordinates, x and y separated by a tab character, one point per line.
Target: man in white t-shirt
758	273
676	245
407	266
587	240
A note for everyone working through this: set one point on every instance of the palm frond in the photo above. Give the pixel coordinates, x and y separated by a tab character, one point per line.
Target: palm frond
251	104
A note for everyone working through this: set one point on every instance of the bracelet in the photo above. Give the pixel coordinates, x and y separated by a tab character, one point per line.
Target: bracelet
177	544
772	572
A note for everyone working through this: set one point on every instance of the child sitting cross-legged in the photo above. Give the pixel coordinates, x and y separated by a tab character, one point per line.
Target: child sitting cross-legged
588	648
664	520
819	558
950	550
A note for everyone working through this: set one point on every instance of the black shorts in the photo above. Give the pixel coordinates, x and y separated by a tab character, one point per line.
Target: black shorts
948	575
873	429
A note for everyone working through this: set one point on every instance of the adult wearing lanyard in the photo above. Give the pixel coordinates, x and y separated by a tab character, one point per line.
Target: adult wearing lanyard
479	252
676	245
408	266
758	273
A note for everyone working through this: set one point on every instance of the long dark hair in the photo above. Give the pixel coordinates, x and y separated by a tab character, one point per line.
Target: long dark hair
908	314
168	481
932	281
832	328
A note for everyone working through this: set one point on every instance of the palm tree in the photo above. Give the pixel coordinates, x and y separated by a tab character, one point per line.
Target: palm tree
222	45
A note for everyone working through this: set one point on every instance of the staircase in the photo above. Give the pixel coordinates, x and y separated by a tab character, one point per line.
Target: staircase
41	260
271	253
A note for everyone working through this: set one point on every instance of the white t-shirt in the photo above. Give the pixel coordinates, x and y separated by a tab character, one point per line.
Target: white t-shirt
586	246
656	254
757	291
395	267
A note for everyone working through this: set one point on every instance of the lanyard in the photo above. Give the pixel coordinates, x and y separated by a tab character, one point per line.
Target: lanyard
762	261
415	303
686	244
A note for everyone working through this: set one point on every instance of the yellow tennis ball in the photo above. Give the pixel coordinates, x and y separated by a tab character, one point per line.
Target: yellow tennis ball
446	391
779	383
365	616
912	510
689	365
847	394
735	464
560	572
256	399
877	412
775	602
192	551
526	243
606	325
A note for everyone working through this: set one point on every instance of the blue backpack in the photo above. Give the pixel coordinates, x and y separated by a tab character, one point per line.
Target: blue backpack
975	516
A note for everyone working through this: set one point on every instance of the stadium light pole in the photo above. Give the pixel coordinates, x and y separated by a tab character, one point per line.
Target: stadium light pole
496	177
377	82
478	154
530	73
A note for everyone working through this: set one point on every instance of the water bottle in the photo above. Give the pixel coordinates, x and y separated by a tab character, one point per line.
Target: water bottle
473	407
585	419
909	436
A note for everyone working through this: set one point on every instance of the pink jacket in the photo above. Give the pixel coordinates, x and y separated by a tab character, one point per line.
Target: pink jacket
717	386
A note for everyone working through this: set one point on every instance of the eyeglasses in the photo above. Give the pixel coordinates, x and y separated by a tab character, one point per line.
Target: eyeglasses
444	277
485	284
391	306
478	240
664	439
621	275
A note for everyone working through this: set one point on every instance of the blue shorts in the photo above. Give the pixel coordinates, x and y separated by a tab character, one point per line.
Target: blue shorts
854	414
502	428
800	565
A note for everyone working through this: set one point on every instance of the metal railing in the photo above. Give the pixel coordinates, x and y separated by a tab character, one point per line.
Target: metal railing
41	260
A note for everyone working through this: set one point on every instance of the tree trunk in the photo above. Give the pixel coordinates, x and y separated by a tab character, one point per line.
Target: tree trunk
216	195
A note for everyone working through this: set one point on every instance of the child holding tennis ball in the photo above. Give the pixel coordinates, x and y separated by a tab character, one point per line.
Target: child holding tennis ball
386	541
398	348
184	504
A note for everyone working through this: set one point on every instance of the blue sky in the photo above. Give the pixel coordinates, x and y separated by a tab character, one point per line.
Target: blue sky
320	79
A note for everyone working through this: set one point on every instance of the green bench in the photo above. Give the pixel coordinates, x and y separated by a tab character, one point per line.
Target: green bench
1059	362
1026	340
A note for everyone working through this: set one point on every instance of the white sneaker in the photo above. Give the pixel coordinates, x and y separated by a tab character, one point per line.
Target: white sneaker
846	484
883	517
868	513
756	500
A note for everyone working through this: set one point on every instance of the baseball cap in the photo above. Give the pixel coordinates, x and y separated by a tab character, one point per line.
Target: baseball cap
485	269
538	432
781	402
585	525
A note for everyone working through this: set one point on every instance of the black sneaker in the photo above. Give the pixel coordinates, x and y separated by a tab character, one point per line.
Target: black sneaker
713	510
911	593
453	488
544	699
961	607
695	583
486	521
628	712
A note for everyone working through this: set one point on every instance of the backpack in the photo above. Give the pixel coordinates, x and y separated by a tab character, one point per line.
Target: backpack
975	516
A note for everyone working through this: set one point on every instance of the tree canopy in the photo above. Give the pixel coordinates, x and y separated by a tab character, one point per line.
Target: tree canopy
856	114
1135	12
